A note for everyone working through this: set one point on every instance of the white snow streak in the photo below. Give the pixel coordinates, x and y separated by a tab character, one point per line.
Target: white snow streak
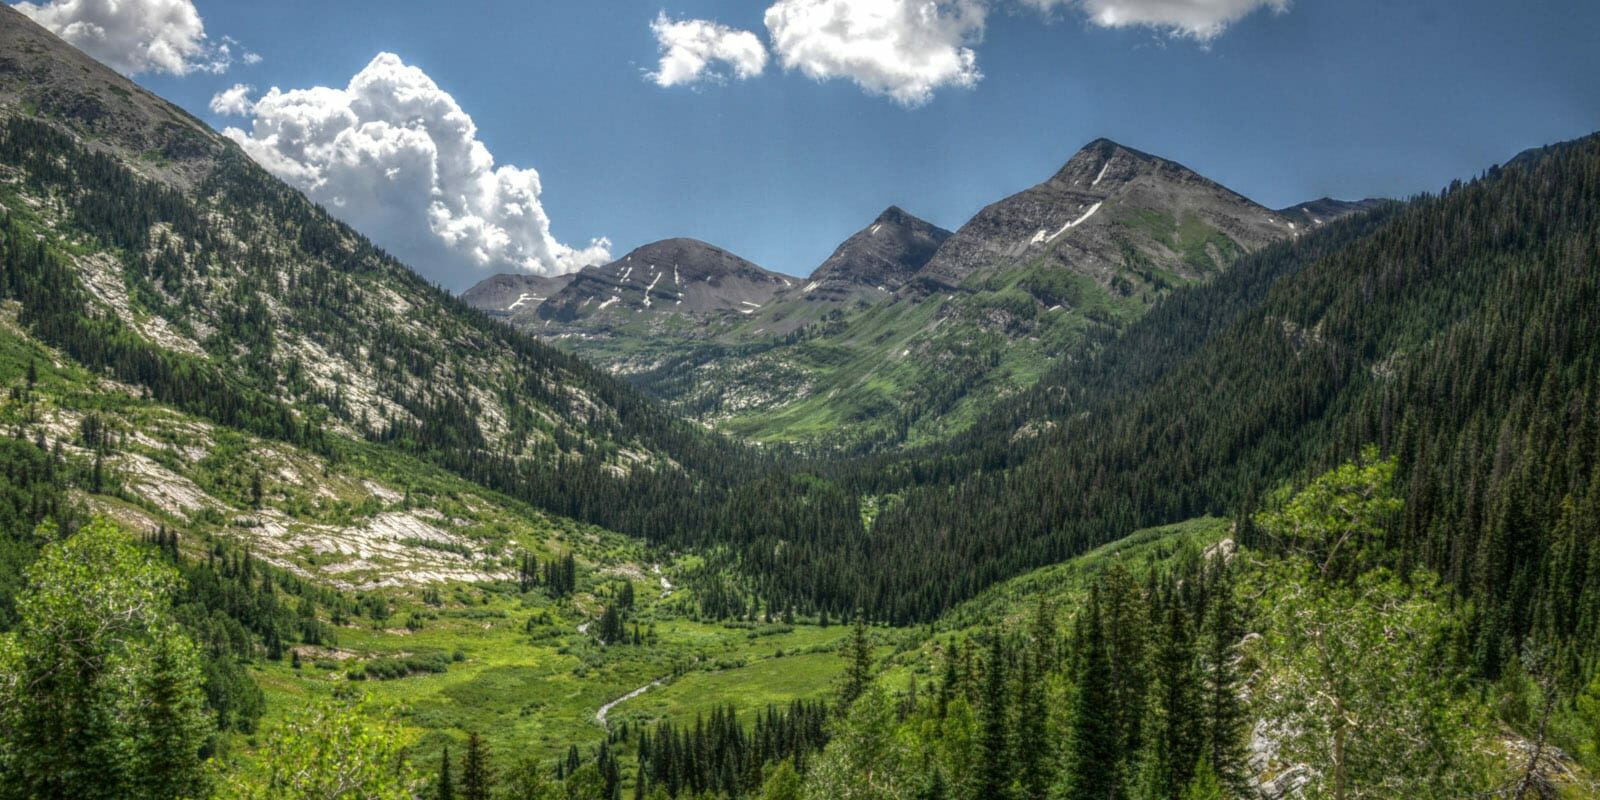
1075	223
1103	168
651	288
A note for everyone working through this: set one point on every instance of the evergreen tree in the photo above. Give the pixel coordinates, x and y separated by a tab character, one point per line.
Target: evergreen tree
171	725
611	629
858	671
1093	768
1225	719
477	779
444	789
1033	751
1125	619
995	765
1173	732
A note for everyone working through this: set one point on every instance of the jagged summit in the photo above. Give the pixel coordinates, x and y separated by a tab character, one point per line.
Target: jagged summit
876	260
1105	162
1108	200
681	276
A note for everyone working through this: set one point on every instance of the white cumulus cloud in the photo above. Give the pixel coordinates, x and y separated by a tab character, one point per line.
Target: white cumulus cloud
234	101
134	36
395	156
1203	20
691	49
903	49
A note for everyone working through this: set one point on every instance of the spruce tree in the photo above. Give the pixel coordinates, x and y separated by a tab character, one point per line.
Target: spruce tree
476	777
1093	769
1125	618
1173	731
994	763
1224	716
858	663
1031	746
172	725
444	789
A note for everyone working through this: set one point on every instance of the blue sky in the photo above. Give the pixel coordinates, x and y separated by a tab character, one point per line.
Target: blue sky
1348	98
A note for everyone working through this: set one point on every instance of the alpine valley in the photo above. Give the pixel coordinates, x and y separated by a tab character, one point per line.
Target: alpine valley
908	333
1130	488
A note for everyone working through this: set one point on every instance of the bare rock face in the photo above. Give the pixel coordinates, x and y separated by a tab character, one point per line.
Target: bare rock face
670	277
41	74
513	293
1110	209
877	260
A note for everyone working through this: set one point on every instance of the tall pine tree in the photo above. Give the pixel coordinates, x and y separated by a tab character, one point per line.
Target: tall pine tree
1093	768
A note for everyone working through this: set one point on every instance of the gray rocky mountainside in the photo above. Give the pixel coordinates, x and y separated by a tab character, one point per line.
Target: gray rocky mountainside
673	276
43	76
510	293
877	260
1110	209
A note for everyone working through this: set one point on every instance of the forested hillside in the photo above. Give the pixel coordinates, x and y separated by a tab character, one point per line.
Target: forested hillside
1447	332
193	274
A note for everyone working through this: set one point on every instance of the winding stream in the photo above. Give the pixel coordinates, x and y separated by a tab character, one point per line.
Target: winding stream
600	716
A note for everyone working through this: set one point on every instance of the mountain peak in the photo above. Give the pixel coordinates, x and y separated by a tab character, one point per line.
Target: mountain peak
877	259
1082	218
673	276
1105	163
894	215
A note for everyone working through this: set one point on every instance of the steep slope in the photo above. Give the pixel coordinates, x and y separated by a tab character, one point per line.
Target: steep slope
877	260
44	76
1457	333
864	269
1110	212
189	275
512	292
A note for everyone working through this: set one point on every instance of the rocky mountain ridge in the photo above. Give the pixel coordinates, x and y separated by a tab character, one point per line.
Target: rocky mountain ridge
676	276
